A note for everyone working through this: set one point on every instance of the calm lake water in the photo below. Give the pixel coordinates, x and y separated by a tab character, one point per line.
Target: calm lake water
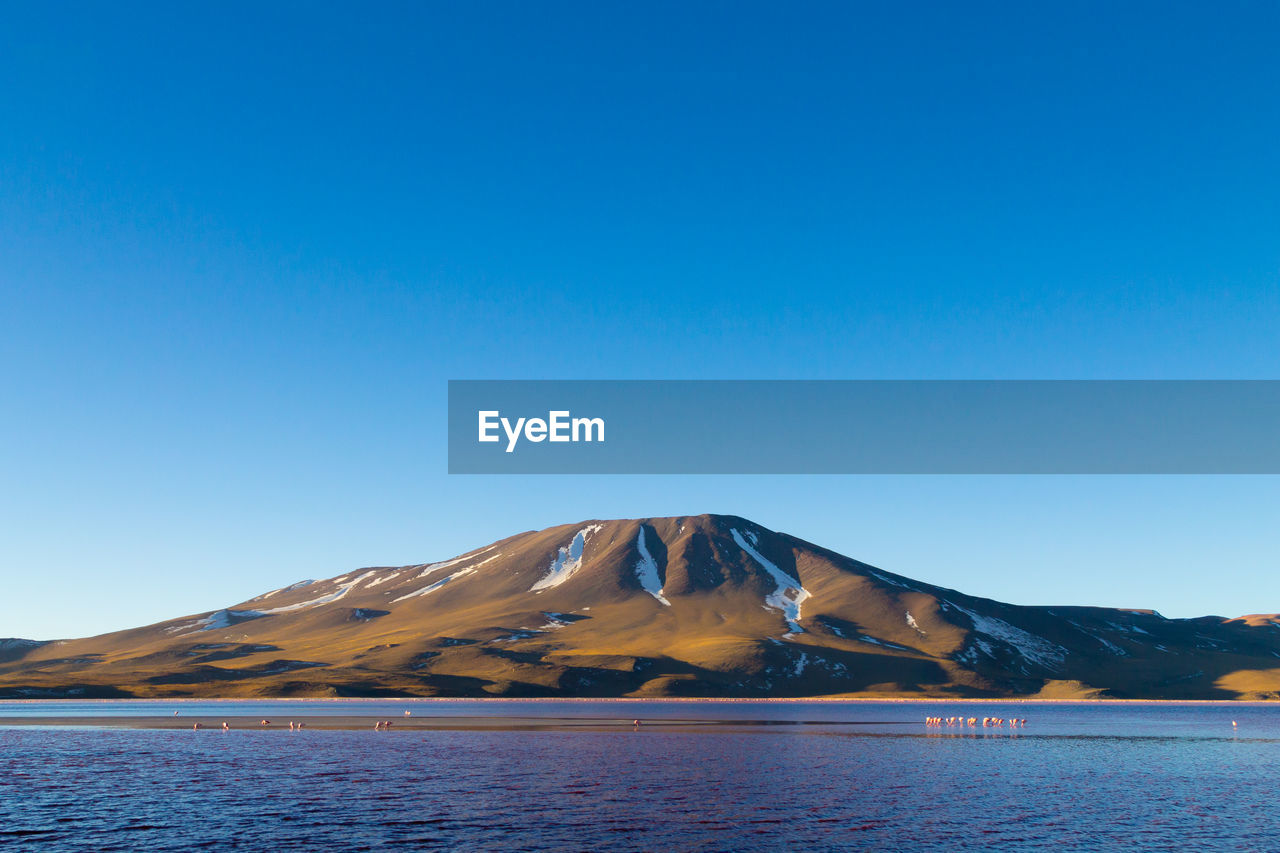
739	776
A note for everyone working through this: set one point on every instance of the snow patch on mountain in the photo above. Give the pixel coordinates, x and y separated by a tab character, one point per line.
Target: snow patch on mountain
216	621
337	595
453	576
1034	649
901	583
289	588
430	588
554	621
1133	629
1109	646
486	560
567	561
647	571
875	641
801	663
431	568
789	596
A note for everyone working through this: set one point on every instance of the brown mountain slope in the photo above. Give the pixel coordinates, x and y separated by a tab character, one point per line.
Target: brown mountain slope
691	606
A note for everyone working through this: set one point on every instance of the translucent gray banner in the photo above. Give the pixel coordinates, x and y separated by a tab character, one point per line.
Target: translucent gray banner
864	427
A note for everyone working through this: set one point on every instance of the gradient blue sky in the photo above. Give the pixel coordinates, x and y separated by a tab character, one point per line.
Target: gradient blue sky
243	249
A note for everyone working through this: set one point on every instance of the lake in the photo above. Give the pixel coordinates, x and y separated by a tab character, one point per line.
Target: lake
557	775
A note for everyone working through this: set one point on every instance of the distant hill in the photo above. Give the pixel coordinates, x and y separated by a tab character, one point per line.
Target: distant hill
13	648
692	606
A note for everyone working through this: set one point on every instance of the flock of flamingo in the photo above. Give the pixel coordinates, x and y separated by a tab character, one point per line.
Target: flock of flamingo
972	722
381	725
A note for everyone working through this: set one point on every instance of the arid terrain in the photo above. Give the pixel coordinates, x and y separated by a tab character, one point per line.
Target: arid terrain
686	607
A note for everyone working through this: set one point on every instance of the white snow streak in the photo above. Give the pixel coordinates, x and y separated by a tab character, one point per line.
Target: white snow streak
426	590
431	568
554	621
336	595
216	621
451	577
778	599
1034	649
567	562
647	571
866	638
289	588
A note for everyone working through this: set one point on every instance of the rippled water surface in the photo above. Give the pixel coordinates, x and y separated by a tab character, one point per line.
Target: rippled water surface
823	776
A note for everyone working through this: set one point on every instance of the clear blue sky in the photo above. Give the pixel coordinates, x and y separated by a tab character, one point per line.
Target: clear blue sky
243	249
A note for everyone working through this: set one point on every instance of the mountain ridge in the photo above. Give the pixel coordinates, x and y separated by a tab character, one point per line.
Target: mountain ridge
706	605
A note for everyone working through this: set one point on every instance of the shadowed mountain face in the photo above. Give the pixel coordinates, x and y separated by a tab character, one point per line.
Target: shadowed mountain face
692	606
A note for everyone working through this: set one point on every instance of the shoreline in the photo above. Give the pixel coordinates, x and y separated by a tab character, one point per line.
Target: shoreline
1021	700
353	722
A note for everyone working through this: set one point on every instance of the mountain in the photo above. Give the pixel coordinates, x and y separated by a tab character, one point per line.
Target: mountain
703	605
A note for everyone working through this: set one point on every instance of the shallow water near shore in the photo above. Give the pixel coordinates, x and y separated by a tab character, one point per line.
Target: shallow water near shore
572	775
